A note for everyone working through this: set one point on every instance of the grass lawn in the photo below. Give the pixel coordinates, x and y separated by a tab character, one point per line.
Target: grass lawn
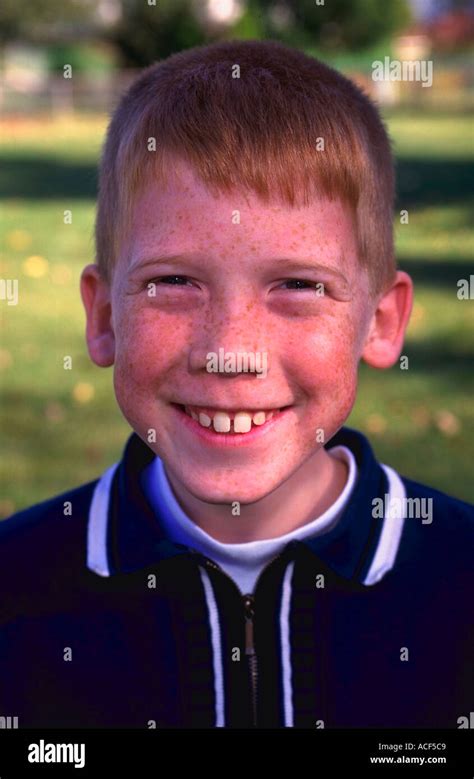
61	427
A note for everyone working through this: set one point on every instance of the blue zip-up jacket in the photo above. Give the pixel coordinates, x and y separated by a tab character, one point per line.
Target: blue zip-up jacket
106	623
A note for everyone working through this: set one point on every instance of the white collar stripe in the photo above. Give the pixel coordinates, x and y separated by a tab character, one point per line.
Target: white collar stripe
286	646
216	648
393	522
97	558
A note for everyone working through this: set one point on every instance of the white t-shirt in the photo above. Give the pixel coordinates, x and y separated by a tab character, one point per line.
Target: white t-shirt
243	562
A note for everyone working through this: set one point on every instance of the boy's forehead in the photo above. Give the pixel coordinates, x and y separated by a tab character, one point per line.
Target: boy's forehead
182	209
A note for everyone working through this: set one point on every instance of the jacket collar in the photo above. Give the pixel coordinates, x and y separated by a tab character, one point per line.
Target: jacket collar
349	548
125	535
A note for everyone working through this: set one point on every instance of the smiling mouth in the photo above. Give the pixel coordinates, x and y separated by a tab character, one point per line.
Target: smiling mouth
230	422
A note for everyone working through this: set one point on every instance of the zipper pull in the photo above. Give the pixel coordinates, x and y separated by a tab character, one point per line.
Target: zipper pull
249	615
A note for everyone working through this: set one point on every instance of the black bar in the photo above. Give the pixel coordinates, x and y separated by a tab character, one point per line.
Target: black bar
160	752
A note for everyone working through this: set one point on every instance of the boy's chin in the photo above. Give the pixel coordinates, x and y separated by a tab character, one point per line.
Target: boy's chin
224	495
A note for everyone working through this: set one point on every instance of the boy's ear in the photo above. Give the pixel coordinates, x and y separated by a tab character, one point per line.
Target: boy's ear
95	292
384	341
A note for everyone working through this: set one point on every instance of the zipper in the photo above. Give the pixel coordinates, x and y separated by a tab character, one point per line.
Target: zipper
249	606
250	653
249	611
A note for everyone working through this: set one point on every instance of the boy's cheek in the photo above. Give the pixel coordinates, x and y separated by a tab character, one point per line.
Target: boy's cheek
335	401
329	378
326	362
145	338
144	358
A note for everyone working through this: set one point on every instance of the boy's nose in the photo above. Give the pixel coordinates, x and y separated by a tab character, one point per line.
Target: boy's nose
239	331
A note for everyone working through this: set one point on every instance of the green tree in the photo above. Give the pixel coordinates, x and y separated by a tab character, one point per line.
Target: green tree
147	32
341	24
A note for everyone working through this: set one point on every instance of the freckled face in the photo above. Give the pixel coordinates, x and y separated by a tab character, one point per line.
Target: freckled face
246	277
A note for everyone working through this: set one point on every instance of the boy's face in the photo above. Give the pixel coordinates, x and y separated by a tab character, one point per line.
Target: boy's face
248	276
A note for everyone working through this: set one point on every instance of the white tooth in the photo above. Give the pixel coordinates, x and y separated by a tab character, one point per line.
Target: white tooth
204	420
221	422
259	418
269	415
242	422
194	415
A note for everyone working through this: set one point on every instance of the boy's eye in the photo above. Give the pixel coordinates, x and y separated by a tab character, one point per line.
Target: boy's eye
177	280
303	284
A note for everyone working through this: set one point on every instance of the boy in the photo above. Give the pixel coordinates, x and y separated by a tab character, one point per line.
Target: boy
236	568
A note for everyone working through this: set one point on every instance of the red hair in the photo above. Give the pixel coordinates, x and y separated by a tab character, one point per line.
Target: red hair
260	131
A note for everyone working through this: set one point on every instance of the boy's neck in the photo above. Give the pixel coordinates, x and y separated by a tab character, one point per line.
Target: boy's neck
303	497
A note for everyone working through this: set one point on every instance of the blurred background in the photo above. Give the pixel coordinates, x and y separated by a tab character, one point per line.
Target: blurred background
61	427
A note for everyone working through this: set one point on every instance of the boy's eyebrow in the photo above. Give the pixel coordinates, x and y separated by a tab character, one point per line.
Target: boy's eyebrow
290	263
